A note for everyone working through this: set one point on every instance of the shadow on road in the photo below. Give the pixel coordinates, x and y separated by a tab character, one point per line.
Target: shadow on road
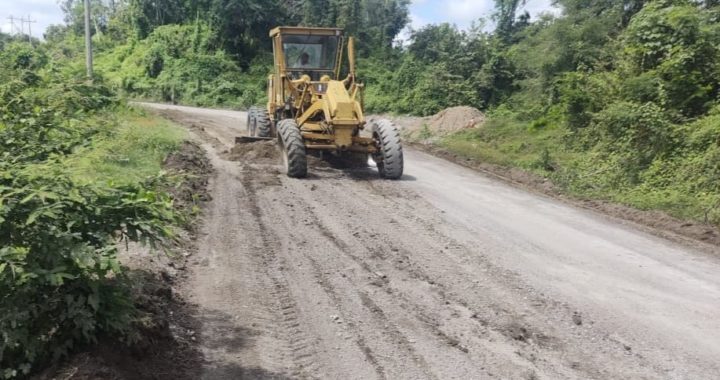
173	333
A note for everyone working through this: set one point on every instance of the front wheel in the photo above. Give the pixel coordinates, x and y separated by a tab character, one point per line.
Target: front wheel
262	123
389	155
250	123
293	148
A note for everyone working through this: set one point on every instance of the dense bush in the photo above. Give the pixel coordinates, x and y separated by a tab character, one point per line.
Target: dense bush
60	282
675	46
177	63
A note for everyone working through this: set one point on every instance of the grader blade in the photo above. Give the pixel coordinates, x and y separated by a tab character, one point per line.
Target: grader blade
250	139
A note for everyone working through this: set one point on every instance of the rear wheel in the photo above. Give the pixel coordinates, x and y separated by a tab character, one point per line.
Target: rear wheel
389	157
250	124
262	123
293	148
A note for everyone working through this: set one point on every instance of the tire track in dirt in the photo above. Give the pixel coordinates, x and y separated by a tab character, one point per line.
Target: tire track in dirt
299	344
426	318
383	327
223	286
359	340
522	332
534	338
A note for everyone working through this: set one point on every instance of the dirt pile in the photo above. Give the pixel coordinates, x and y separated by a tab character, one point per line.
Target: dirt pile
456	118
428	130
192	163
259	152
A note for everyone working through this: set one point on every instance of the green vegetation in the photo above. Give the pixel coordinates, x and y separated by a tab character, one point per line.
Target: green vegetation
176	63
79	174
131	152
210	53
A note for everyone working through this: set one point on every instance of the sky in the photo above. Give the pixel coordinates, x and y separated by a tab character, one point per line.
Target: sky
463	12
44	12
422	12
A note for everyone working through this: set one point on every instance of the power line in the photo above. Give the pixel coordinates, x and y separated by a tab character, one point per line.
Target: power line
14	29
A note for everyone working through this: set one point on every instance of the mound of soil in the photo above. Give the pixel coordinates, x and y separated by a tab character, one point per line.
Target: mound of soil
259	152
428	130
191	162
455	118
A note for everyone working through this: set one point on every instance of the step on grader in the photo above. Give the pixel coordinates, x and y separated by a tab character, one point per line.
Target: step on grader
312	110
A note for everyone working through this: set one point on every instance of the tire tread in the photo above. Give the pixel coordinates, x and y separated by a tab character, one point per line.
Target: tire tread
389	160
294	146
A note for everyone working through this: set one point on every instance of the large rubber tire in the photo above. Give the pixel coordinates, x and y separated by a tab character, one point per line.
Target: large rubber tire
250	124
293	148
262	123
389	158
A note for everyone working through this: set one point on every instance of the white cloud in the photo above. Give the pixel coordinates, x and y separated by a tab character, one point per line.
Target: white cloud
416	22
463	12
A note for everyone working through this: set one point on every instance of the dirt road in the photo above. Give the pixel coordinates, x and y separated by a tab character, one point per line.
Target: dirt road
445	274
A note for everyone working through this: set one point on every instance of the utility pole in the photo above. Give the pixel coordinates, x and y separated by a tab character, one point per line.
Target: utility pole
12	24
88	42
30	21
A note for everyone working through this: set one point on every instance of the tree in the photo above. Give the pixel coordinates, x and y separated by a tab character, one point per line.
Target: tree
505	17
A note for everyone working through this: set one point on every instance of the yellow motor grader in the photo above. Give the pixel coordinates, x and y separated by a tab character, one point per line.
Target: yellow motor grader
311	109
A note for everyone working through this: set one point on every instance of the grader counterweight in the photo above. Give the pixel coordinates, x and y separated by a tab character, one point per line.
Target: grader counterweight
310	109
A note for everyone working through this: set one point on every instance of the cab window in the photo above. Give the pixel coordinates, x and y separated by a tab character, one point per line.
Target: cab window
310	52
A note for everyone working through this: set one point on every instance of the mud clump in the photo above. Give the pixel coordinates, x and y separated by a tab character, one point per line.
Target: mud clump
259	152
189	158
191	162
525	334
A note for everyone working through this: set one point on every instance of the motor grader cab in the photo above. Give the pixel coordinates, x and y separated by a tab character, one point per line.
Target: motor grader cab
311	109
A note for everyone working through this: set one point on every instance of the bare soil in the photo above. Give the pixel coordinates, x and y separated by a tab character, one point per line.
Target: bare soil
428	130
448	273
261	152
454	119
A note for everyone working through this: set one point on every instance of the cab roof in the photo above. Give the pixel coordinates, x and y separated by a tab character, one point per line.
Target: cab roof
306	31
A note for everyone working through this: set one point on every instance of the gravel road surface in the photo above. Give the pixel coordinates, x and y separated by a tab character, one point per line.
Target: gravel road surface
445	274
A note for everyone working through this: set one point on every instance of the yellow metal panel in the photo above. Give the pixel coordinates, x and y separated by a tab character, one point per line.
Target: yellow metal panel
306	31
339	102
343	135
317	136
